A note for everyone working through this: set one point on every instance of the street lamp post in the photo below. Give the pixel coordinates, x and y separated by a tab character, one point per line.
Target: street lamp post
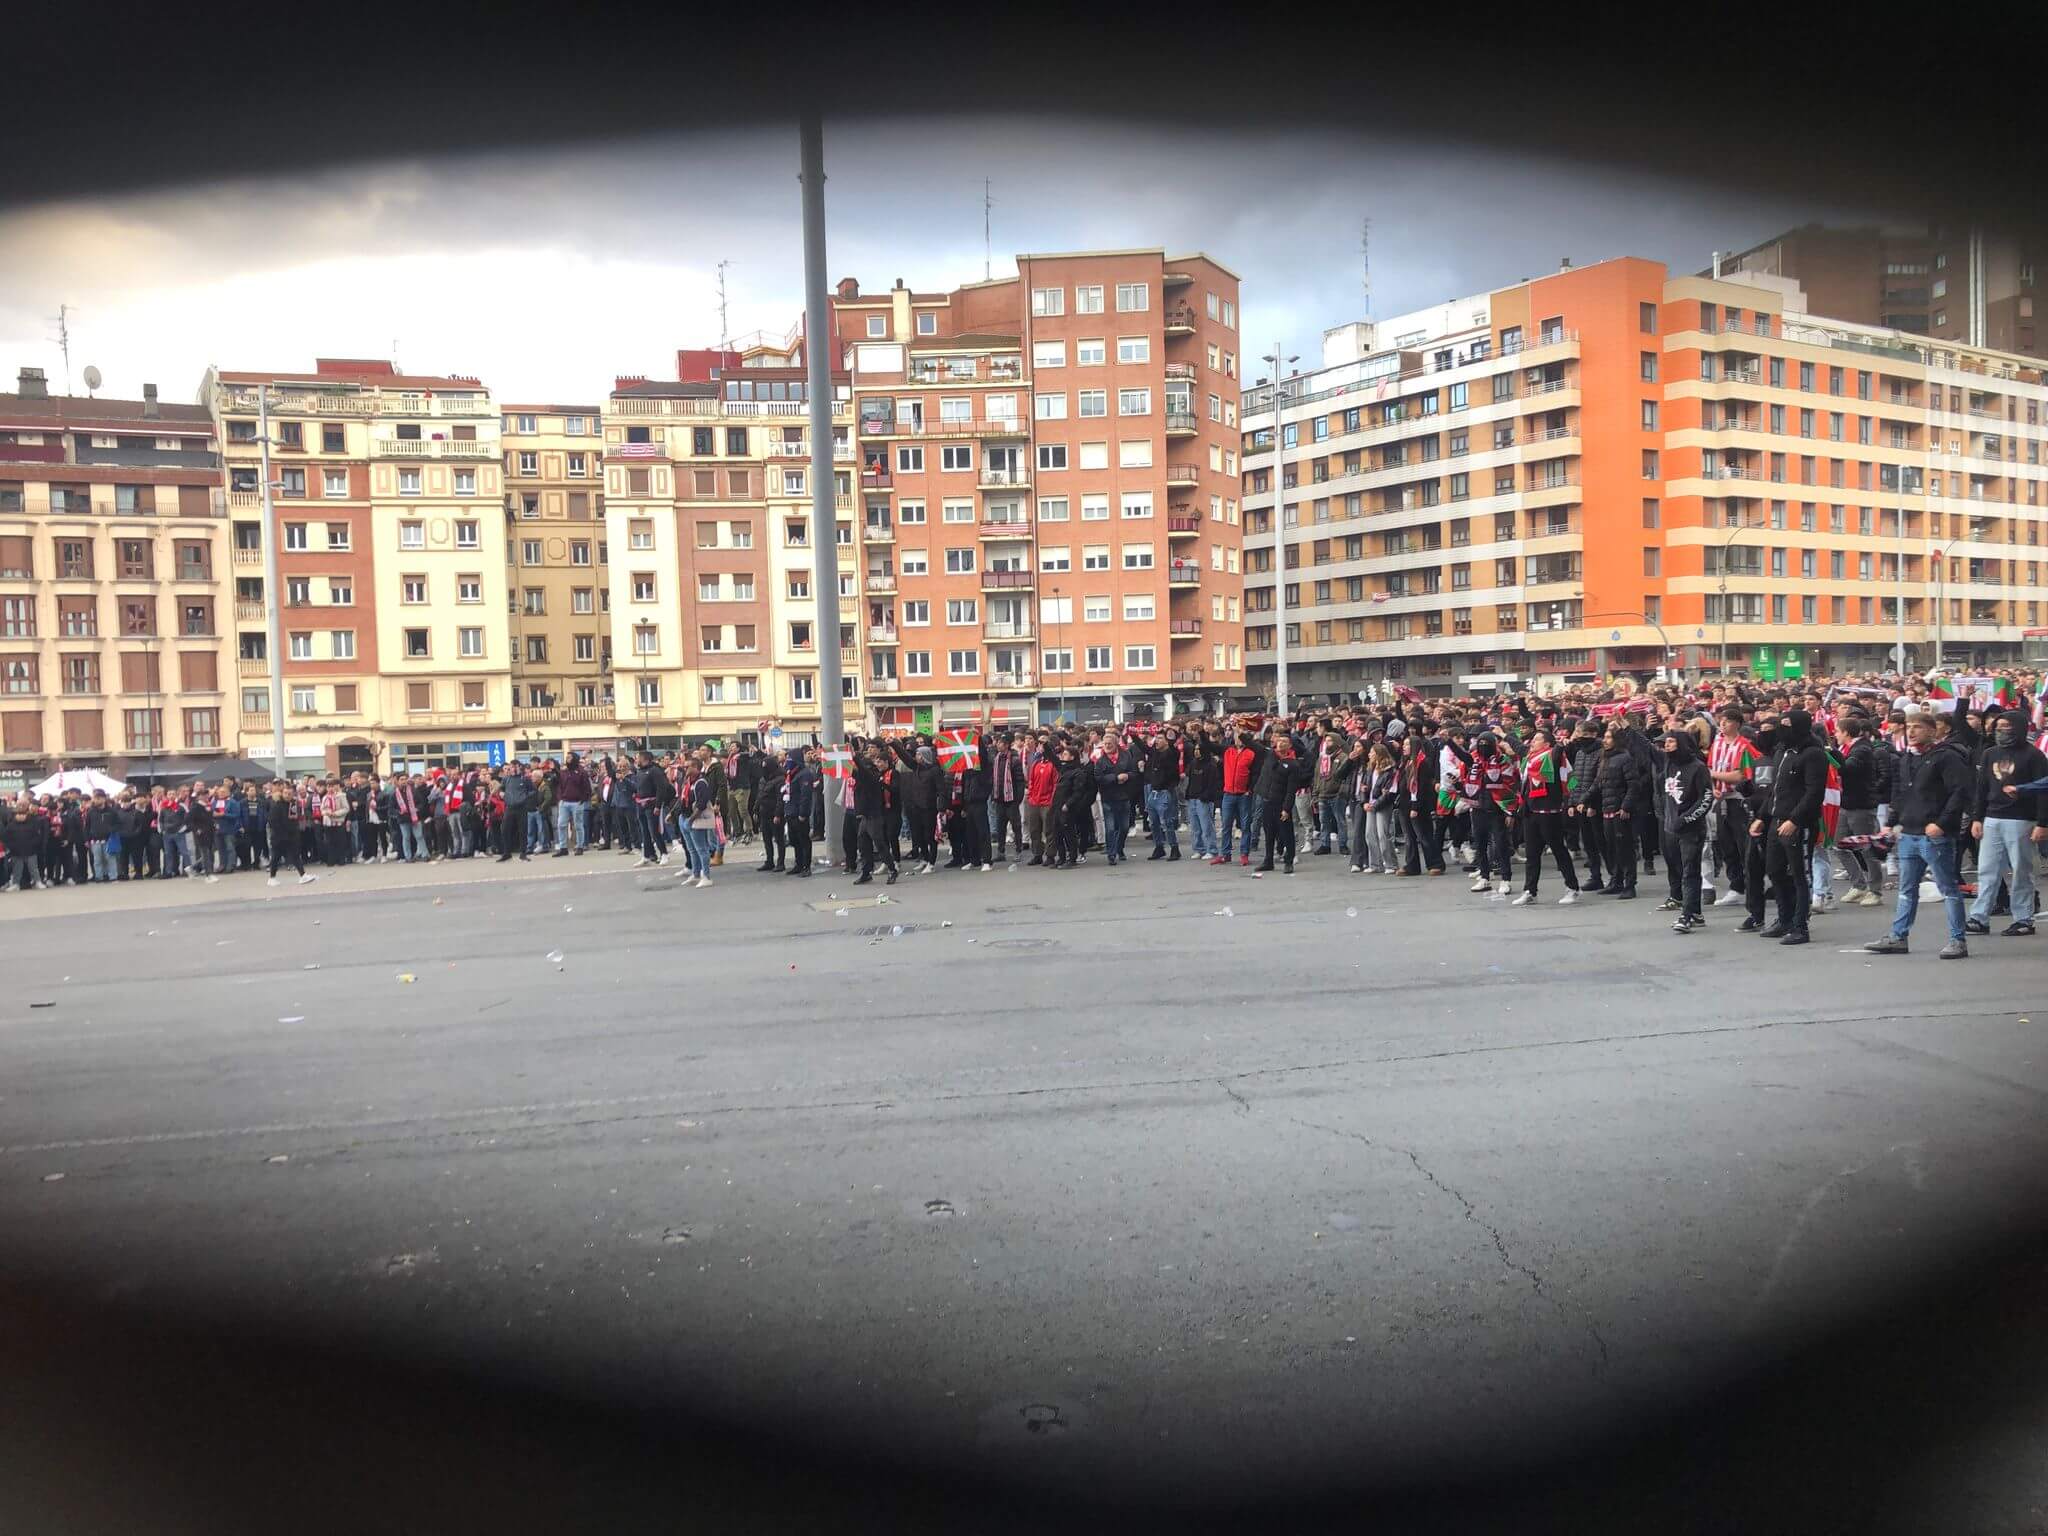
1738	528
1059	634
1636	613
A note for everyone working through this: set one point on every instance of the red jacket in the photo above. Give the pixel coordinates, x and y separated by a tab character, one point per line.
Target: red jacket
1237	769
1044	778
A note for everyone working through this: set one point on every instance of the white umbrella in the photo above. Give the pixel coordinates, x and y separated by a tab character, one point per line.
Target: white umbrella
85	780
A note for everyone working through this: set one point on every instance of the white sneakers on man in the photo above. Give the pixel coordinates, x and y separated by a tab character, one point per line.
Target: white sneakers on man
1568	899
1734	898
1523	900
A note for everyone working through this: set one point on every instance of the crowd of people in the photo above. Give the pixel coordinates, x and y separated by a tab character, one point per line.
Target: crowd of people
1764	794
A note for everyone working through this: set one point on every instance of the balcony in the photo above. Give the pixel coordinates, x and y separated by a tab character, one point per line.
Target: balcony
429	448
256	720
1175	279
1186	476
874	479
1180	320
1183	573
243	556
1183	525
1181	371
565	714
796	450
886	582
881	634
884	684
246	501
251	613
1181	424
252	666
1007	629
873	535
1188	675
1005	528
1184	629
1010	680
1000	580
994	477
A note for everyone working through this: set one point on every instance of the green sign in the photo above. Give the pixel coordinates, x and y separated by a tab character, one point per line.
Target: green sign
1792	664
1763	663
922	719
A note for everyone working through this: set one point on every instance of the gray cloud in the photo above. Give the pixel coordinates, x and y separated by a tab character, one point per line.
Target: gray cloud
548	273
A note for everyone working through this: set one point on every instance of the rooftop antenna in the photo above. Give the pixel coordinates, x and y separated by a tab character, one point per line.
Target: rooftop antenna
987	244
724	330
63	340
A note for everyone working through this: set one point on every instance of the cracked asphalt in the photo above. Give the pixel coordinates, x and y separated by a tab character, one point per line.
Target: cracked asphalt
1073	1185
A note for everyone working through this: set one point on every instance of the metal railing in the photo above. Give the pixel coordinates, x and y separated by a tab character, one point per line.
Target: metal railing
999	579
991	475
1183	571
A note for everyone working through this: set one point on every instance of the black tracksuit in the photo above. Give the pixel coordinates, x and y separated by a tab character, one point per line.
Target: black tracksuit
1799	781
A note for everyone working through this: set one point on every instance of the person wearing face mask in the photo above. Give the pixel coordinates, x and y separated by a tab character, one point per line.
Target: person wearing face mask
2006	826
1799	778
1685	798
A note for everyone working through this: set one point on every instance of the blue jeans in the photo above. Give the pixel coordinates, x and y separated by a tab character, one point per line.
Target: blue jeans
2005	853
568	820
102	862
1936	856
697	843
1116	826
176	853
409	838
1202	828
1333	819
223	849
1165	825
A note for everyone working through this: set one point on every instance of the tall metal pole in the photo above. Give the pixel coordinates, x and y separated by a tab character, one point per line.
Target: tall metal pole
1279	543
272	593
824	515
1059	636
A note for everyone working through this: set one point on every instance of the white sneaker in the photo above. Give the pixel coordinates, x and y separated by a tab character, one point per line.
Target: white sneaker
1501	889
1356	870
1732	899
1481	883
703	882
1523	900
642	862
1568	899
273	880
307	879
986	868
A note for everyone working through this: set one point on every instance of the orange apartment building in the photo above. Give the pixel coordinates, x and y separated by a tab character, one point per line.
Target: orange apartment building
1048	496
1611	469
113	586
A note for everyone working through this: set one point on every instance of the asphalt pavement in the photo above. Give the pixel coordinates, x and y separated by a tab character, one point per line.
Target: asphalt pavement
1157	1184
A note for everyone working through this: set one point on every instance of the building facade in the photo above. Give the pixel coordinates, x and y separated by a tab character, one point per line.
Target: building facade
1610	469
115	608
387	502
1049	488
558	577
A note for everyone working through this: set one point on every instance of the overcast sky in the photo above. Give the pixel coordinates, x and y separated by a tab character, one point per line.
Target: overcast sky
547	274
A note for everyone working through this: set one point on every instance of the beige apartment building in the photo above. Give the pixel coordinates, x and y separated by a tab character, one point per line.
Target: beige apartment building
559	578
114	606
388	507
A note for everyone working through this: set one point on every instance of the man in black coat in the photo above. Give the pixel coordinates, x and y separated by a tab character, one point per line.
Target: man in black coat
1799	781
1931	800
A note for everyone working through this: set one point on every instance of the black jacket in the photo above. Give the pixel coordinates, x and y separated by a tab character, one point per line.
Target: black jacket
1582	754
1279	777
1620	786
1799	776
1937	786
1162	765
1205	770
517	790
1110	765
870	789
2020	763
99	821
1687	788
1859	776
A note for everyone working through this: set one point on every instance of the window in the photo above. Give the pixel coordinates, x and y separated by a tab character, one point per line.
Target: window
917	663
1048	354
529	551
296	537
1134	402
1088	299
1137	557
956	456
1139	608
917	611
1050	407
1048	301
1649	415
643	587
909	458
927	323
649	690
416	648
469	642
466	534
1052	456
410	535
334	482
1091	352
959	562
342	644
408	482
1134	349
1650	464
1095	557
1092	402
963	610
963	663
1097	658
1131	297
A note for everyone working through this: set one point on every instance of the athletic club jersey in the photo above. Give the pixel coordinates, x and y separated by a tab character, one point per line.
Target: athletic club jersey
1731	754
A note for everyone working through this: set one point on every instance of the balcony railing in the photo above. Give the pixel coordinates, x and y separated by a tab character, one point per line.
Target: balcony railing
245	501
251	613
1180	320
1007	629
1180	371
884	583
429	448
252	666
1005	528
881	634
997	580
255	719
884	684
1178	523
842	410
1183	423
994	475
565	714
873	535
1009	680
1183	573
1183	474
1188	675
1180	627
873	478
242	556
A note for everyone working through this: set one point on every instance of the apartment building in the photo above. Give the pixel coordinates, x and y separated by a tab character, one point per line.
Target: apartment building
1610	469
558	576
114	606
1049	487
1968	285
707	512
387	501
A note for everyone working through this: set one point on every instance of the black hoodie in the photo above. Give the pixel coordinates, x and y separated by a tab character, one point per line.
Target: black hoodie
1799	774
2018	761
1687	789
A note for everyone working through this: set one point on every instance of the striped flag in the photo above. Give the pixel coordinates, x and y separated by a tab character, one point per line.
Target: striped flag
838	762
1831	800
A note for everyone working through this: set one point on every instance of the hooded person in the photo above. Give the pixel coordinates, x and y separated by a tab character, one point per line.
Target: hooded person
2005	820
923	787
1798	791
1686	796
799	803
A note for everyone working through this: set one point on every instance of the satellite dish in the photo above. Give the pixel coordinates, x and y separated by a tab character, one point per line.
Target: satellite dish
92	378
